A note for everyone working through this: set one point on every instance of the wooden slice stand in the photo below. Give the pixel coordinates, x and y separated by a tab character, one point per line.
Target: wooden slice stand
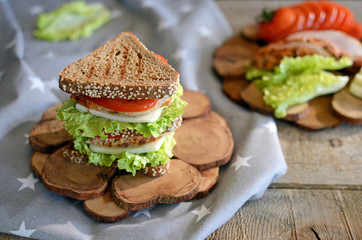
66	172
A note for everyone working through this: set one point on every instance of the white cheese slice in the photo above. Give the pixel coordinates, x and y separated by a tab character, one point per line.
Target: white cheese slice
144	148
150	116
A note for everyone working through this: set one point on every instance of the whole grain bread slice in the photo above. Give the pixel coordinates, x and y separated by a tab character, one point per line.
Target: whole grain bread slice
122	68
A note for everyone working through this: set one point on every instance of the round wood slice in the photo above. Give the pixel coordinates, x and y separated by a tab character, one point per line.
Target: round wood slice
78	181
208	180
253	97
231	59
320	115
198	104
37	162
104	209
233	87
51	113
141	191
203	143
251	32
48	135
347	107
214	116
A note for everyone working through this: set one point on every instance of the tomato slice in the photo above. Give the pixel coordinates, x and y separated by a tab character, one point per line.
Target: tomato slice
331	10
309	15
345	24
356	30
121	105
162	58
320	14
282	20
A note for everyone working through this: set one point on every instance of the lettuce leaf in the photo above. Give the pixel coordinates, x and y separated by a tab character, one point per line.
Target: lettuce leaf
85	125
72	21
298	80
131	162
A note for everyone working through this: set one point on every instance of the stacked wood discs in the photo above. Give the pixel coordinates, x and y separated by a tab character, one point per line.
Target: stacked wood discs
320	113
110	195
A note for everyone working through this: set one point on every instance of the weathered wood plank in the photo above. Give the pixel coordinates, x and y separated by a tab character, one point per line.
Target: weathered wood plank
351	204
265	218
297	214
318	215
324	159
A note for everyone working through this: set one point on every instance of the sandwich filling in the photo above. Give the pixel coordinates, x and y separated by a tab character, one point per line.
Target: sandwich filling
132	140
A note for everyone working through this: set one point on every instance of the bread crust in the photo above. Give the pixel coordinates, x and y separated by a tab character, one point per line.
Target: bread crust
122	68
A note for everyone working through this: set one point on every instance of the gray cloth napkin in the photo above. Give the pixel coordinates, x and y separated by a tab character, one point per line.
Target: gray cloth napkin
184	32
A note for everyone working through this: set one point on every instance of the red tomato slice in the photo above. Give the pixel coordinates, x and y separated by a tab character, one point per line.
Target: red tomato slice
345	24
282	20
320	14
297	25
331	10
121	105
162	58
356	30
308	15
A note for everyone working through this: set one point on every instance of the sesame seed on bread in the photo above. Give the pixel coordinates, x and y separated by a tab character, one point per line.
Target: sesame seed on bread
122	68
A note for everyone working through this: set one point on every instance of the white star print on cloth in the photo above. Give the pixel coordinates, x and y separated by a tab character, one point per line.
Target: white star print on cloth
146	4
53	84
205	32
187	8
270	125
23	232
116	13
26	136
202	212
48	55
10	44
144	212
241	161
163	25
36	9
180	54
37	83
27	182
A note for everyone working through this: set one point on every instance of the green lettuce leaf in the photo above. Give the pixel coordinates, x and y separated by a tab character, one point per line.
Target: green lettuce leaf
298	80
131	162
81	124
72	21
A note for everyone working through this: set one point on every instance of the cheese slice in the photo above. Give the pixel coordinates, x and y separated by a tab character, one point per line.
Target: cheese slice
150	116
144	148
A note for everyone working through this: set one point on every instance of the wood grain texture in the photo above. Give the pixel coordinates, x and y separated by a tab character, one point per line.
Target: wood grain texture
297	214
324	159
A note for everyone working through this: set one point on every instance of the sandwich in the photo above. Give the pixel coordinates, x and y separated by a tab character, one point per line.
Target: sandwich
327	43
302	67
124	106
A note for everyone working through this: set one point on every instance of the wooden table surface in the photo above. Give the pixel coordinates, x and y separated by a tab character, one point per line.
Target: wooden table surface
320	197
